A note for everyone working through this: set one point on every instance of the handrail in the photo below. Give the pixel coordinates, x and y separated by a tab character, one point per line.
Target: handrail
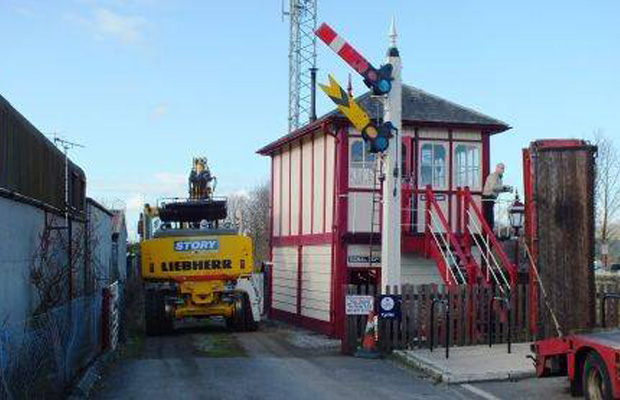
470	204
488	251
447	247
432	204
449	271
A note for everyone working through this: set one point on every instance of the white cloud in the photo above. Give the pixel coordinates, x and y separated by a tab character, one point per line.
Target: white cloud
105	23
159	111
135	202
126	29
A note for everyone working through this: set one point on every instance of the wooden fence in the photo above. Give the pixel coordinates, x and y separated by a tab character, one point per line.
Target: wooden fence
473	317
463	316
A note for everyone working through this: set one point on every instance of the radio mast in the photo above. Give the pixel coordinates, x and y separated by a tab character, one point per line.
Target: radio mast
302	61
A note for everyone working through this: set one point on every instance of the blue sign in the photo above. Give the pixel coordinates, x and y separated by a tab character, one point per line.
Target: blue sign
196	245
389	306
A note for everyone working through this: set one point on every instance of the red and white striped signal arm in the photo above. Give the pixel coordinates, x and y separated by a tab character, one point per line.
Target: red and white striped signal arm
347	52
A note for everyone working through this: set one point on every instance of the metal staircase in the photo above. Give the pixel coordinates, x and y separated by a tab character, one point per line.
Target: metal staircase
455	267
452	248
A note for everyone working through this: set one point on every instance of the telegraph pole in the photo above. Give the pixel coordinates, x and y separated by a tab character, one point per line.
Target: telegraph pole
391	225
66	146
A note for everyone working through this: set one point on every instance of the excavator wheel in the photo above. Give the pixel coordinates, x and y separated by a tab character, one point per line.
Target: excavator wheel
242	320
157	321
249	324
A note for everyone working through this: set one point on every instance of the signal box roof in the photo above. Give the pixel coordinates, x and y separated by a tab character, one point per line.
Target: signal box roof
419	108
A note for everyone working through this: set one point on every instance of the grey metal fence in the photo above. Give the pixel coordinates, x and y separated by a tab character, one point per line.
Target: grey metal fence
42	355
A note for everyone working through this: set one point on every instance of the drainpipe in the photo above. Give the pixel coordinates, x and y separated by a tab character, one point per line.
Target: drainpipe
313	94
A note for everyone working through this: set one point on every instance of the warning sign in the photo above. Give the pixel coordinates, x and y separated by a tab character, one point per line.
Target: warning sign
359	304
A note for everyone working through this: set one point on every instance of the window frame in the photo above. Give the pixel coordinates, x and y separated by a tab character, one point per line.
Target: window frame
447	159
455	172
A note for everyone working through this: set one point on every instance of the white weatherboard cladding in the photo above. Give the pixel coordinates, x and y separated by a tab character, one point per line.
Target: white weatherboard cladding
410	132
461	134
360	212
284	193
330	184
418	270
277	195
442	201
285	269
429	133
316	282
319	189
306	196
295	188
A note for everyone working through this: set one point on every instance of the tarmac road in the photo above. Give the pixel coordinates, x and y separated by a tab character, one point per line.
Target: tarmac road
282	362
277	362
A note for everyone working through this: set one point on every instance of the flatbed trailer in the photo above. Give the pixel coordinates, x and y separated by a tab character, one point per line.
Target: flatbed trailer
590	360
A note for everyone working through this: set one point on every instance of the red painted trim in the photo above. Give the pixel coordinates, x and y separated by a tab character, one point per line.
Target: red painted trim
269	294
340	257
271	210
334	229
484	129
315	325
414	244
312	189
450	176
531	236
303	240
486	159
299	278
559	143
300	211
453	140
315	126
290	188
281	192
361	190
200	278
324	182
414	174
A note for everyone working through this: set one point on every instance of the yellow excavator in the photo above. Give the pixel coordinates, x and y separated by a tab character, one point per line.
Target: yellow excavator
193	264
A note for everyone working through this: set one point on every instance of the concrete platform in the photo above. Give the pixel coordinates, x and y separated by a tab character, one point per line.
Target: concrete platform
472	363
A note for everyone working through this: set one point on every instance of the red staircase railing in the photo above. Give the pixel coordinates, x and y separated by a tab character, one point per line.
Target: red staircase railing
443	245
475	231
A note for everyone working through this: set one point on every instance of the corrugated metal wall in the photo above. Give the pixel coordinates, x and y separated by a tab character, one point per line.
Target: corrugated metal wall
32	166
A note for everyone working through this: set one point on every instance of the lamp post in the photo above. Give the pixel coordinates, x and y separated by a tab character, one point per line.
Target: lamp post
516	215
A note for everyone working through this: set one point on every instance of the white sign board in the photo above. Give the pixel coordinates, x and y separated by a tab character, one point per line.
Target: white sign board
359	304
360	256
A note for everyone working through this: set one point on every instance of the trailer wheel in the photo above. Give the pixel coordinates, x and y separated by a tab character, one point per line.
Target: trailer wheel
596	381
157	321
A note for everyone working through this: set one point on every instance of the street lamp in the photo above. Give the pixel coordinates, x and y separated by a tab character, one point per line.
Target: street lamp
516	214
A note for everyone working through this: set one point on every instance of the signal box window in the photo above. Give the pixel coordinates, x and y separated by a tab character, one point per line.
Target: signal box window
360	155
467	168
361	165
433	165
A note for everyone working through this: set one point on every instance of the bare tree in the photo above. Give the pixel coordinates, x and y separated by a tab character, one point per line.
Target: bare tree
257	221
253	208
607	191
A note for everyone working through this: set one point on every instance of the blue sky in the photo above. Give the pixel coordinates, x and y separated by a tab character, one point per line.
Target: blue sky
145	85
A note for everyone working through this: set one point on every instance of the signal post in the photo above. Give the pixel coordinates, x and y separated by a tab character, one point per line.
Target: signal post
391	227
383	138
